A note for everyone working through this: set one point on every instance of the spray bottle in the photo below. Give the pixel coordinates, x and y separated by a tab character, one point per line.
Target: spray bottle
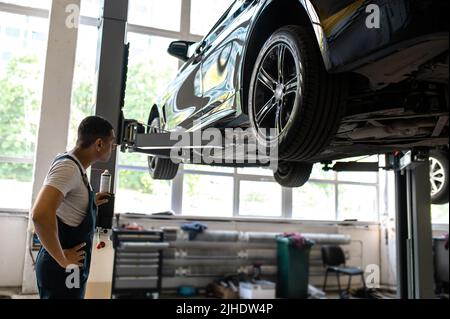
105	182
105	187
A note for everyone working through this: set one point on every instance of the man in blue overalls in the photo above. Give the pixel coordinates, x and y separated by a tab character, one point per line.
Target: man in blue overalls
65	211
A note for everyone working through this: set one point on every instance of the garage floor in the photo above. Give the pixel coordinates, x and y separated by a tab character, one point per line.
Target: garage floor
14	293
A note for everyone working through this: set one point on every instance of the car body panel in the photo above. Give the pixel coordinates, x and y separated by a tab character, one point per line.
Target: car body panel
210	77
400	20
221	61
182	102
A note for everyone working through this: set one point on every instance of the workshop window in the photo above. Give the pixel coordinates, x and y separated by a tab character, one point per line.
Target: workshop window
139	193
357	202
6	56
151	13
207	195
205	13
206	168
90	8
255	171
259	199
320	174
39	36
12	32
133	161
439	214
84	80
358	177
150	69
15	185
21	76
314	201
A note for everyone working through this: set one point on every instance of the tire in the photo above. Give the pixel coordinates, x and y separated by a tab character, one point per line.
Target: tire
305	105
293	174
439	177
160	168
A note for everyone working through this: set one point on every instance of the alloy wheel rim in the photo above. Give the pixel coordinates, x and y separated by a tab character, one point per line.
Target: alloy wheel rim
276	89
437	176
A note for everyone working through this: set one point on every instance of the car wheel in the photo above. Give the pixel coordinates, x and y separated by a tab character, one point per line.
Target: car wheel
160	168
439	177
292	94
293	174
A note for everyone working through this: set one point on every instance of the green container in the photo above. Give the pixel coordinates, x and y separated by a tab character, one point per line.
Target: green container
293	269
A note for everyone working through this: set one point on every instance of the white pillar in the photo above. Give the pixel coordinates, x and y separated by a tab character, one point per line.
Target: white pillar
55	107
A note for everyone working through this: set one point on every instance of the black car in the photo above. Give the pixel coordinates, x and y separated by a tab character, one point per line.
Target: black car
335	78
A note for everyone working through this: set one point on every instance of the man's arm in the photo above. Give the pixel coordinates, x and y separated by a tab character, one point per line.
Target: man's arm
44	219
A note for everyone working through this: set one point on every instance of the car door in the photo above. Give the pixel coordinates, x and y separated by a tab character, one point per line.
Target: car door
222	51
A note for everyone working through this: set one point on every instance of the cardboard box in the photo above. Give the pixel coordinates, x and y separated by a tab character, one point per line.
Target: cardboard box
258	290
223	292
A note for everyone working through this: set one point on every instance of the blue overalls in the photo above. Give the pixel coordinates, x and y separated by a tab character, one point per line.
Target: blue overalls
51	277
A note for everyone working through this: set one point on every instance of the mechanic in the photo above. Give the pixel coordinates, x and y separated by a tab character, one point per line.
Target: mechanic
65	211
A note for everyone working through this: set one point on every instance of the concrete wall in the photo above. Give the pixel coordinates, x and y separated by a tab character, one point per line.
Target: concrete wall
13	228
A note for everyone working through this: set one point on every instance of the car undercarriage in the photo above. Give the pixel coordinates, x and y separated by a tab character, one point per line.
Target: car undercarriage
402	116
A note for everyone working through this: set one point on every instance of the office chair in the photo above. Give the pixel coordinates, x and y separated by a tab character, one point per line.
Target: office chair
333	259
440	254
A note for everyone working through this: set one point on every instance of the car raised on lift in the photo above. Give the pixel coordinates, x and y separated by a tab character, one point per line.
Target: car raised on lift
333	78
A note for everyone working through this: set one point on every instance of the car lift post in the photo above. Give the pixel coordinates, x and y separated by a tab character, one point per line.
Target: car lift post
413	219
111	77
413	226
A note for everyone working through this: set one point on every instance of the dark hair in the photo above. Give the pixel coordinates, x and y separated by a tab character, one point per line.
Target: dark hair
92	128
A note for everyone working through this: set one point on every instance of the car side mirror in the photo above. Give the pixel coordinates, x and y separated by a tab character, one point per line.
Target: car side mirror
180	49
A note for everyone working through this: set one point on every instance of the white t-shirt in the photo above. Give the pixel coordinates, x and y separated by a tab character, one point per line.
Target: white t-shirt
65	176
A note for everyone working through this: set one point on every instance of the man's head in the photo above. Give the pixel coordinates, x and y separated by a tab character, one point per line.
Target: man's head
97	134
